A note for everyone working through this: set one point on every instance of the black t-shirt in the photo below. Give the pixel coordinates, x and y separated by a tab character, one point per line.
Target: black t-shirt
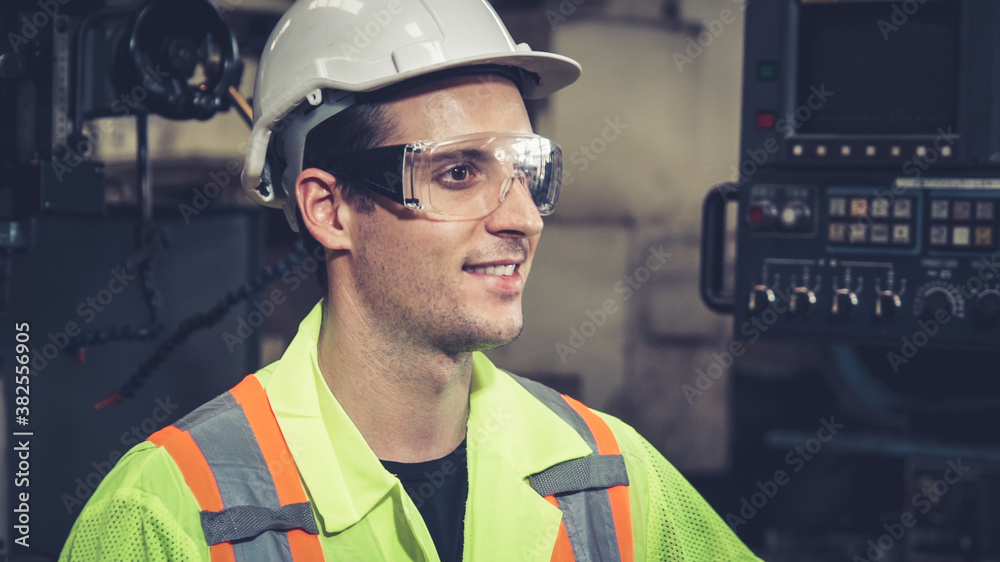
439	489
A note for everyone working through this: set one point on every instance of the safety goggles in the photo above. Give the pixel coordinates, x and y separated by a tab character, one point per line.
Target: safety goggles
464	177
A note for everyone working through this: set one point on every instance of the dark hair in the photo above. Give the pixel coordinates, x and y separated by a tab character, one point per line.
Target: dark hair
359	127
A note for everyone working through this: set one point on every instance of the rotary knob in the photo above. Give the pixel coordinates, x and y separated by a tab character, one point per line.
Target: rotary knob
761	298
795	216
844	302
936	301
887	304
987	309
802	301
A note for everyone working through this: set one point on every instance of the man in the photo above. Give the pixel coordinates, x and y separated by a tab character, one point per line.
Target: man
383	433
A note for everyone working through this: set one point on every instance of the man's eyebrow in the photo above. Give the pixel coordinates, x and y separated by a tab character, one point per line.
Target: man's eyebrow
471	154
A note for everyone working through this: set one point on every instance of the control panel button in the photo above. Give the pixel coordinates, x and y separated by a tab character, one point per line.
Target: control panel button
962	210
859	207
984	210
901	234
880	208
838	207
939	235
984	236
838	232
960	236
880	233
902	209
939	209
857	233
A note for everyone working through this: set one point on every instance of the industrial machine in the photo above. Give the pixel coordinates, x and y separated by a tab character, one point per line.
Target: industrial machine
867	213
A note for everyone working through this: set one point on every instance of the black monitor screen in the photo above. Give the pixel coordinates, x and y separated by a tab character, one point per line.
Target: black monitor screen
888	75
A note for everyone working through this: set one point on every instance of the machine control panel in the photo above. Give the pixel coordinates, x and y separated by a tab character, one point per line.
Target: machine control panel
869	262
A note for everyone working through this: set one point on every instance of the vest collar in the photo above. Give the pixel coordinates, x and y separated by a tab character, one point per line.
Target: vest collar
344	478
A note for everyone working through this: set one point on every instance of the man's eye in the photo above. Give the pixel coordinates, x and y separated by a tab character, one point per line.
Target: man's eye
458	176
458	173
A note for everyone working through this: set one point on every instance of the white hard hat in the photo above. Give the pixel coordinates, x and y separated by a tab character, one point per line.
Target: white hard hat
323	51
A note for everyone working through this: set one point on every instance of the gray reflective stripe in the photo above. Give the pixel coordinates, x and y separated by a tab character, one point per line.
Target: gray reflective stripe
580	486
231	523
206	411
590	525
595	471
555	402
250	500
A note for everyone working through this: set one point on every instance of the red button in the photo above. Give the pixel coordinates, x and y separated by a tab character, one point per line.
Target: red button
765	120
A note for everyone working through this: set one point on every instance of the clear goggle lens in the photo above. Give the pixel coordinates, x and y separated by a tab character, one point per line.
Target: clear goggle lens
471	176
465	177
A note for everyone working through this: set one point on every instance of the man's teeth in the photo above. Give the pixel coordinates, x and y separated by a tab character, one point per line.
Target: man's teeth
503	270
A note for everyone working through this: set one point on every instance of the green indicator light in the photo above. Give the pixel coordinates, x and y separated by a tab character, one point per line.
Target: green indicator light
767	71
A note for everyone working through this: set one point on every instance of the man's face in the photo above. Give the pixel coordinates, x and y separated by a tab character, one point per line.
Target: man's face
430	282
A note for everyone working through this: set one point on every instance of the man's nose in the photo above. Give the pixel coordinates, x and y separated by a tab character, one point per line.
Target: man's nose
517	214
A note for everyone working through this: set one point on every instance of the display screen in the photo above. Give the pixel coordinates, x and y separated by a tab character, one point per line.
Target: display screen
890	72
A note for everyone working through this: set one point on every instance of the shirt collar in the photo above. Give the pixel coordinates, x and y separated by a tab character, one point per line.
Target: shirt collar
342	475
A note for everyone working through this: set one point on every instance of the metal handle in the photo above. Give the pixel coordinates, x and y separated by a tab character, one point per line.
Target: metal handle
713	237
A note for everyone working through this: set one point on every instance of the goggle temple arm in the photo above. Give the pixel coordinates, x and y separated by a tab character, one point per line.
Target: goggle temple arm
380	170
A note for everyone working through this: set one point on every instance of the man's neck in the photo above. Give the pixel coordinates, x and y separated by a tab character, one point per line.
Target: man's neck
411	404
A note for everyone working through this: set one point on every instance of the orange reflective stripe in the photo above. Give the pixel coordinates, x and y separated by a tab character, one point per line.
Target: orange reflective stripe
251	396
198	476
620	505
606	442
257	408
563	550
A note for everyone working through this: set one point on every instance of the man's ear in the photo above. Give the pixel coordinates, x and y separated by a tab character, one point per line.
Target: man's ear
324	211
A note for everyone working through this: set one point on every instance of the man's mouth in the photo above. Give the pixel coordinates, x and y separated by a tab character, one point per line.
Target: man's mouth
501	269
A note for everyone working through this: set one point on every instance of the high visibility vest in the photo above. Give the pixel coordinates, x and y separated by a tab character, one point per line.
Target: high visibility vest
234	459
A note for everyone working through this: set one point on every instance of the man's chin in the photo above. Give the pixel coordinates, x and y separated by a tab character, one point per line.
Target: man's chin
485	340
